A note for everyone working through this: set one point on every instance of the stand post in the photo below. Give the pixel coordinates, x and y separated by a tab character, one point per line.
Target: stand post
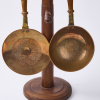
47	31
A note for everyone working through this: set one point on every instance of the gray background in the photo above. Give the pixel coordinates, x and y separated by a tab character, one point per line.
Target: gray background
86	82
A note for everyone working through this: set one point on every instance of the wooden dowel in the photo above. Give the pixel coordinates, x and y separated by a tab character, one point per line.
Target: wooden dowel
47	31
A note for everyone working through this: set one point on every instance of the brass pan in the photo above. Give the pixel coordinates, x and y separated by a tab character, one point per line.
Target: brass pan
72	47
25	51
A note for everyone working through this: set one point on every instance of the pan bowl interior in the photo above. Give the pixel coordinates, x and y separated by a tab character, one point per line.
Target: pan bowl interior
71	48
26	51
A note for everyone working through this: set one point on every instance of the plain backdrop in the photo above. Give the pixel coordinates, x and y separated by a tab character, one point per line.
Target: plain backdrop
86	82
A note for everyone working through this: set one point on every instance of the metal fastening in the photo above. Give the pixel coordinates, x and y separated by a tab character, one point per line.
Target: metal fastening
48	17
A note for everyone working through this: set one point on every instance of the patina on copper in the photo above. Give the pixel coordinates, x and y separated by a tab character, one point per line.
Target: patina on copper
26	51
72	47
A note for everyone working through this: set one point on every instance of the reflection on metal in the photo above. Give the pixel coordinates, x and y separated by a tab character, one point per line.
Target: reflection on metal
71	48
25	51
25	23
71	19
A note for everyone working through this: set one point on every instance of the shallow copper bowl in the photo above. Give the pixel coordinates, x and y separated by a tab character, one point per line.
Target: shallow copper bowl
71	48
26	51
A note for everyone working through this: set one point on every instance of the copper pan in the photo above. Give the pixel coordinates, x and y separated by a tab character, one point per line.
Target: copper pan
72	47
25	51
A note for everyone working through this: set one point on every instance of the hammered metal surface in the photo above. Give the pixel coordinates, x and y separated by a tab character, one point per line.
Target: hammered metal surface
71	48
25	51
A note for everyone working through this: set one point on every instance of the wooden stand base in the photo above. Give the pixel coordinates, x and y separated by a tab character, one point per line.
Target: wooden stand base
34	91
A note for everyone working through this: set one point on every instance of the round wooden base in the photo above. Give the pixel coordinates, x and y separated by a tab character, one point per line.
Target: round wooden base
34	91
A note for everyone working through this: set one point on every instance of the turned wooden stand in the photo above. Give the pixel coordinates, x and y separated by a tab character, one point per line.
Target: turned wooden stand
47	87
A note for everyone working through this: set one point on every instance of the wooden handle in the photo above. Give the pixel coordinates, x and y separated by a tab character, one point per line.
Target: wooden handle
24	13
70	6
24	5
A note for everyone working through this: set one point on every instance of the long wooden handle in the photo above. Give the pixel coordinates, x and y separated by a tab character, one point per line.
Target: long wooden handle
24	5
24	13
70	5
70	11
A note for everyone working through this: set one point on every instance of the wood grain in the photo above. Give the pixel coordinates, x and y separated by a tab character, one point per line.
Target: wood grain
61	90
47	31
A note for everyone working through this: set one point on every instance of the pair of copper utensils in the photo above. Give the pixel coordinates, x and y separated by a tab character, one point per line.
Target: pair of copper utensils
27	52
